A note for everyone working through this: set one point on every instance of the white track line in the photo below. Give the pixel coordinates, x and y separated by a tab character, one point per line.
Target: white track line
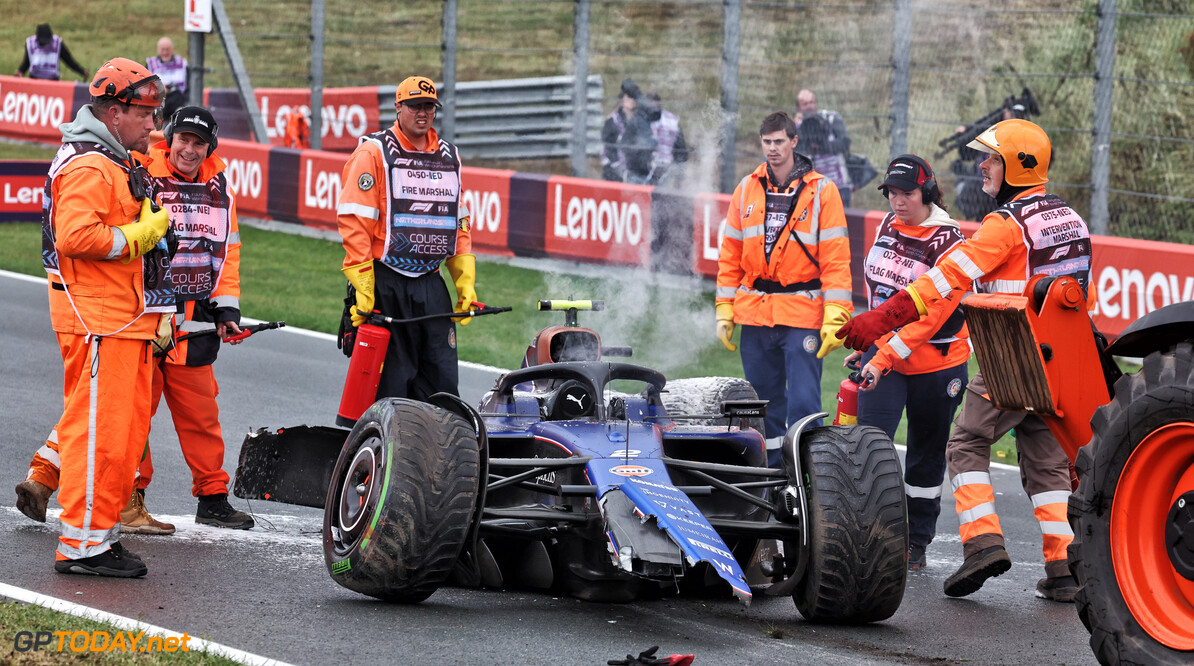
129	624
286	329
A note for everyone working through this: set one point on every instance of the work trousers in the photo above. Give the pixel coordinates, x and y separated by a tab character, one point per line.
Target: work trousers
781	363
930	400
1044	473
191	395
421	357
101	433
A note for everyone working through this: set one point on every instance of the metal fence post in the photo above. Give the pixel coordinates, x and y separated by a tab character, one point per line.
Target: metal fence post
729	94
1100	152
195	64
901	78
317	23
580	89
448	87
237	64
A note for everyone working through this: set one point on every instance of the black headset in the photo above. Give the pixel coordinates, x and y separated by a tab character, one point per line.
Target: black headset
169	133
929	192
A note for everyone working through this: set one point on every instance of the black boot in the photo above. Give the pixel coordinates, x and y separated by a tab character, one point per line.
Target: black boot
215	510
116	562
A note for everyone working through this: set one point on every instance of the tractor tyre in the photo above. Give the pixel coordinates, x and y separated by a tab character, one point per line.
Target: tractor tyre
857	559
704	395
1133	517
401	501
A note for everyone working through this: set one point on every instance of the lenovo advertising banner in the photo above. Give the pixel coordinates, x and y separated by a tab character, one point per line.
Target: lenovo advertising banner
348	113
248	174
21	188
600	222
319	178
32	109
709	214
487	196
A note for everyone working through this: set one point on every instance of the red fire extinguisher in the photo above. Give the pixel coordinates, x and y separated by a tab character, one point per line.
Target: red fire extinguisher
847	396
364	373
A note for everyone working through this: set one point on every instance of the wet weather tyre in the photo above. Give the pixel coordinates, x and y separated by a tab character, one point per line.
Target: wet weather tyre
858	529
1135	477
704	395
401	500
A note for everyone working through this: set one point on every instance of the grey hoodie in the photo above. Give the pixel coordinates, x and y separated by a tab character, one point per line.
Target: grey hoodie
86	128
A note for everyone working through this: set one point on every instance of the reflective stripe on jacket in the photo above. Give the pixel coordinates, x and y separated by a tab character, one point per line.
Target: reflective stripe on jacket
87	193
362	213
901	253
818	220
999	252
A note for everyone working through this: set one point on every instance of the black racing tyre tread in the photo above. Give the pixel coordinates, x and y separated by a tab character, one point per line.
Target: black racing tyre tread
427	509
1161	393
858	542
704	395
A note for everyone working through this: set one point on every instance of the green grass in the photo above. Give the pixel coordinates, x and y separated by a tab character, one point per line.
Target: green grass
18	617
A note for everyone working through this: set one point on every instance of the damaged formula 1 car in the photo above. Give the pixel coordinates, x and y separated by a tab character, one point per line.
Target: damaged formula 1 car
600	479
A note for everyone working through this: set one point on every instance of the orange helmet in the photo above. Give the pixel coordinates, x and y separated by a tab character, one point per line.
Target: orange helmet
128	82
1024	147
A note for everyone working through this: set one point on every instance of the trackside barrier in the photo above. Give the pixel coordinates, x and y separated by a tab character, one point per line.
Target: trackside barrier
557	216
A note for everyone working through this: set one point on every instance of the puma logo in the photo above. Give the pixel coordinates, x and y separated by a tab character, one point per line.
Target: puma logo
580	403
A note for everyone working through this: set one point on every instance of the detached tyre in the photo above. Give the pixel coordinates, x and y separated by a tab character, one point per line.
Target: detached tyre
402	496
704	395
1133	517
858	527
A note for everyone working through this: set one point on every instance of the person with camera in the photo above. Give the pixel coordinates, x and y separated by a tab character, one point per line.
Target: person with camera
920	368
628	143
825	140
1031	233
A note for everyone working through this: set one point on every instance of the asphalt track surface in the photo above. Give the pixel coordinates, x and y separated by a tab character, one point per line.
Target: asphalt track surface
267	592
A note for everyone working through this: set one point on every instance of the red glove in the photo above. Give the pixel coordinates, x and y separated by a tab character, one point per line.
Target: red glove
862	331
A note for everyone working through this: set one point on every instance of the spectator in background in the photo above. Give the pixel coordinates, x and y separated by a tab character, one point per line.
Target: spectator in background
172	70
670	147
43	50
823	138
627	142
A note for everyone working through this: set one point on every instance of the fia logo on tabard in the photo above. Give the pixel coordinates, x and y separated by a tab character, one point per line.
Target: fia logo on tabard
630	470
365	182
954	388
811	343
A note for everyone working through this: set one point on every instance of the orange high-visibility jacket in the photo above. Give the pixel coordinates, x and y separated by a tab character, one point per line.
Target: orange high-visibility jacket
89	196
997	255
819	220
226	291
360	212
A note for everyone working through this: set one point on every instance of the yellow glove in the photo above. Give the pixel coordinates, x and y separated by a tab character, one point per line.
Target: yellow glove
165	340
834	319
143	235
463	268
725	325
361	277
